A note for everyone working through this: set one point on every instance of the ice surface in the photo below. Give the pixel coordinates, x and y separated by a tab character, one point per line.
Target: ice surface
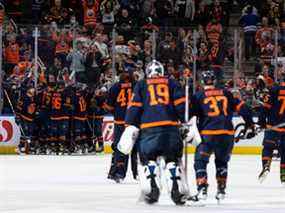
78	184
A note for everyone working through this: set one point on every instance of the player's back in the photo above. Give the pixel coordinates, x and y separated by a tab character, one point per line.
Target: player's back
214	108
118	99
276	105
156	102
59	109
79	105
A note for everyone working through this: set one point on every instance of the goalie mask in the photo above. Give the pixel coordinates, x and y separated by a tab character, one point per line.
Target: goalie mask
208	77
154	69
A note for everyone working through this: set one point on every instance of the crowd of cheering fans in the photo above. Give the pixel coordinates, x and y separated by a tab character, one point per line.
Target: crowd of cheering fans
78	50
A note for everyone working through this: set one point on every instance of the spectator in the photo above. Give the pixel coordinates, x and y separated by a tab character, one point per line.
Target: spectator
55	69
214	31
11	55
147	52
216	58
107	13
102	47
217	12
164	12
15	9
125	24
90	11
267	51
77	59
264	32
147	9
201	15
93	63
185	11
203	52
38	7
23	65
57	14
249	23
164	47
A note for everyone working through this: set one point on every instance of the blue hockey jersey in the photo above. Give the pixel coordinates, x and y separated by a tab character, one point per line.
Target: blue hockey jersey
118	99
275	107
156	102
215	109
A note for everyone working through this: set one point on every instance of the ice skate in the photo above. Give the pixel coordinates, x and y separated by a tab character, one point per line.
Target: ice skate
199	198
202	192
282	176
263	174
221	194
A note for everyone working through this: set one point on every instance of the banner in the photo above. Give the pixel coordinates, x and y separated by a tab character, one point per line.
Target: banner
108	130
9	134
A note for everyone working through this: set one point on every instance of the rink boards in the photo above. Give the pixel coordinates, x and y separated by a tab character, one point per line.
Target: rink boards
10	137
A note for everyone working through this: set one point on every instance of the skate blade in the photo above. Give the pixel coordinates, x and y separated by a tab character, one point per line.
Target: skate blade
262	177
141	198
220	198
196	201
199	203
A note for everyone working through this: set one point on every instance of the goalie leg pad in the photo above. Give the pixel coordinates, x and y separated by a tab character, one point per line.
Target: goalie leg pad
150	182
176	183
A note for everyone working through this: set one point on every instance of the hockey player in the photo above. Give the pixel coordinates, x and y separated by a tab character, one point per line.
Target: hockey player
59	110
157	107
117	101
214	109
99	98
26	109
80	116
274	109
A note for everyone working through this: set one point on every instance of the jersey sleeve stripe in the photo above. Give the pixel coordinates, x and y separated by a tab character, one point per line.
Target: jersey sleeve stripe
135	104
276	128
217	132
238	107
108	107
59	118
179	101
119	122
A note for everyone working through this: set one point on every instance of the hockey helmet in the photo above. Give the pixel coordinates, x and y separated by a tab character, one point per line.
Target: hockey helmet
154	68
208	77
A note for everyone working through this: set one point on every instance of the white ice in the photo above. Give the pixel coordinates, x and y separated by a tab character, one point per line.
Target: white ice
78	184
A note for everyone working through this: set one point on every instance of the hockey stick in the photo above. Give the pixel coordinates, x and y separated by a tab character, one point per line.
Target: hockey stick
186	121
27	139
242	133
14	112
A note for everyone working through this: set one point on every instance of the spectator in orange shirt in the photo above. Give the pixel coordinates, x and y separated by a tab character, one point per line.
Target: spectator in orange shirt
21	68
214	31
264	32
90	11
11	55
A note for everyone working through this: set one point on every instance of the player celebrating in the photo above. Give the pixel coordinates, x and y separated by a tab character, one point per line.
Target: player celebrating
156	108
26	109
214	109
117	102
274	118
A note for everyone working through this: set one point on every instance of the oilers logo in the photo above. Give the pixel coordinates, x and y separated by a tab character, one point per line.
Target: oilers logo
6	131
